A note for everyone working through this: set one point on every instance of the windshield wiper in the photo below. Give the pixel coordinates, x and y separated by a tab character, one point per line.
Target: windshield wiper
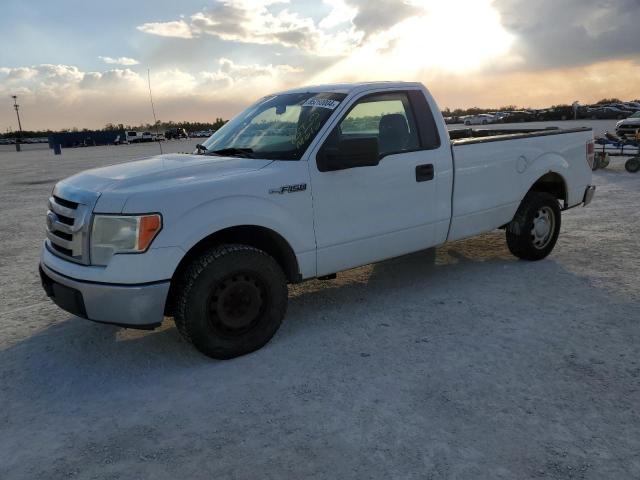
233	152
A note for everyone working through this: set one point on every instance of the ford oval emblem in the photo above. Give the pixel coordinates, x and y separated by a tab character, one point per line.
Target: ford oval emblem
52	218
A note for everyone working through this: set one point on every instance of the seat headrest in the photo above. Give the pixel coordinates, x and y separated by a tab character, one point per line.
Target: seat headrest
394	133
393	123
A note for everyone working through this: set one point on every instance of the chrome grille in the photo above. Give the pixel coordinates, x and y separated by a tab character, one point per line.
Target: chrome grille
68	222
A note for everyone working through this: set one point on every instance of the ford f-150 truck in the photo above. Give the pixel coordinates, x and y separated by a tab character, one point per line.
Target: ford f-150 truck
301	185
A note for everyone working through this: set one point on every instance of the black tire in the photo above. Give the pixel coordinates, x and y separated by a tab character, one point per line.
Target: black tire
231	301
526	235
596	163
632	165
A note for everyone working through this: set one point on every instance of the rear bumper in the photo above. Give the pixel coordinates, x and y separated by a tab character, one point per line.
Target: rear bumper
133	306
589	192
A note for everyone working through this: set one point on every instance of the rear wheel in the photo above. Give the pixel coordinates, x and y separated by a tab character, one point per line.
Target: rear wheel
533	232
231	300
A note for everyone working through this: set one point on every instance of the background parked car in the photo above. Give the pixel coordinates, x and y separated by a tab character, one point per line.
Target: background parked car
202	134
607	113
519	116
481	119
629	127
555	113
175	133
133	137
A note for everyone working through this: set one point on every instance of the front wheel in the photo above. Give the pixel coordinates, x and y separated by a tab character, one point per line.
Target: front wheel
533	232
231	300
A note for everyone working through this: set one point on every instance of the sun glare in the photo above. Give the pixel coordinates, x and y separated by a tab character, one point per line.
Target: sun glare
449	36
453	35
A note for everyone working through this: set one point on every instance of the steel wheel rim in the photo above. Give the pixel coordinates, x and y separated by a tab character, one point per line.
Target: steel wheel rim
544	225
237	303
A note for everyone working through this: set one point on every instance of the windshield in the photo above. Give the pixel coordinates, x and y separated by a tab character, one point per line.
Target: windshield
635	115
278	127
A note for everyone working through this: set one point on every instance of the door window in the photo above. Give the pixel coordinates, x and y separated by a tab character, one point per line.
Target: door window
386	117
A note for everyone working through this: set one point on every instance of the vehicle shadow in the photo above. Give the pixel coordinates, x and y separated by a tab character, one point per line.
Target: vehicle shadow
430	273
83	356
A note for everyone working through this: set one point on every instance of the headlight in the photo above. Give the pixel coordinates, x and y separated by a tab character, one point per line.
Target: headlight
113	234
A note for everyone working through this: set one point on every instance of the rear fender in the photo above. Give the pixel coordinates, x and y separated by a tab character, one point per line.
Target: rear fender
533	171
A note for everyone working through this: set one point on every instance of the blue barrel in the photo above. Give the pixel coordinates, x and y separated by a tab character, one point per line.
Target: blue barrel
57	149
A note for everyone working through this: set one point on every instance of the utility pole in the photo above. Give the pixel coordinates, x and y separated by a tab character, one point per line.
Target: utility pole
17	108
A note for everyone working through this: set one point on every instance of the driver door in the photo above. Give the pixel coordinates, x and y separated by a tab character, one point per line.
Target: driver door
371	213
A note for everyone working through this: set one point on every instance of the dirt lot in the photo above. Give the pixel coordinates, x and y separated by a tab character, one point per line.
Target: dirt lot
460	362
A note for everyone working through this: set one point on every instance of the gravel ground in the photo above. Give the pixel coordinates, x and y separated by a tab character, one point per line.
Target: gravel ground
459	362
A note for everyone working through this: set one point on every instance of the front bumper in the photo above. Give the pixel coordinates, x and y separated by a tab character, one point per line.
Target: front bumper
589	192
133	306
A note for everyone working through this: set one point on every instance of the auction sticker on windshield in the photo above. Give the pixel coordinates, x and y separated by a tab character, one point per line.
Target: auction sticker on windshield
321	103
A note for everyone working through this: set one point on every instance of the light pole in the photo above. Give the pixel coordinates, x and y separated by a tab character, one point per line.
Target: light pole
17	108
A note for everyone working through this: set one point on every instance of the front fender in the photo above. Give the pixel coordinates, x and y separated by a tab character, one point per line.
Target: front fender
237	210
290	220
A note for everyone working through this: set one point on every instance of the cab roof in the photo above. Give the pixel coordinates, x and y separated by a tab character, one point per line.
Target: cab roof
348	88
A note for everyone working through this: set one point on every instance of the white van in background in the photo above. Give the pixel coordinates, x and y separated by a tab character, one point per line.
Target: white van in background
133	137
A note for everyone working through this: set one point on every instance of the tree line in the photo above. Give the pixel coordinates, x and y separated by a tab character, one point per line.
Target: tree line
109	127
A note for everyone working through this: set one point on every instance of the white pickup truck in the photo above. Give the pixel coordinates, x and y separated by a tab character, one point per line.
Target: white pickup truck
301	185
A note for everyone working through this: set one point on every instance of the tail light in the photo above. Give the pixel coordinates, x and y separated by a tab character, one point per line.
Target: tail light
591	153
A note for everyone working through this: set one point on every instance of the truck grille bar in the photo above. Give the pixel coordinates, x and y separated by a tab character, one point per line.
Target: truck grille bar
68	221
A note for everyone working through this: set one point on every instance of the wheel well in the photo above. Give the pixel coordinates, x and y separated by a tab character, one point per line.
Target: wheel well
554	184
254	236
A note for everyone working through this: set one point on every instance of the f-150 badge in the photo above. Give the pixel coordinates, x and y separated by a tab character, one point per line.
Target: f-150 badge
301	187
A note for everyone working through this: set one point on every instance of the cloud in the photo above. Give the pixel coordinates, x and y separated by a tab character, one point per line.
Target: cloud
341	13
230	73
262	22
373	17
175	29
124	61
113	79
572	32
92	98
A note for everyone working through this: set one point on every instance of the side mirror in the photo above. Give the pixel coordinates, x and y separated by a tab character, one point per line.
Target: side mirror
350	153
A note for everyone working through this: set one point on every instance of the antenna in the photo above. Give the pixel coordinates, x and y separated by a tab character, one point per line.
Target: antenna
153	109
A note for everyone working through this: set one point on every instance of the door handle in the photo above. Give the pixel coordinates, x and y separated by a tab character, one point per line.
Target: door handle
424	173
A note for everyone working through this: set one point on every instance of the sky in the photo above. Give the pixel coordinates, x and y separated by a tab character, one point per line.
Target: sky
75	63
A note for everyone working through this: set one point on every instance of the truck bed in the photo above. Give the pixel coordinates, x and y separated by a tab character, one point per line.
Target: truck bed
466	136
492	169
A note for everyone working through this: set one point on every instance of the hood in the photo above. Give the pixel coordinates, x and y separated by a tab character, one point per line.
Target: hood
630	121
153	172
112	185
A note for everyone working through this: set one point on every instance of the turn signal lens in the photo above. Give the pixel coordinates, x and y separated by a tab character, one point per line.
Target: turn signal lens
150	225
